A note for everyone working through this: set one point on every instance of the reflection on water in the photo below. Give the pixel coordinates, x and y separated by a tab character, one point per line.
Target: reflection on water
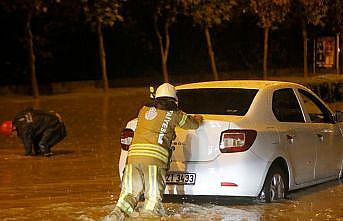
81	182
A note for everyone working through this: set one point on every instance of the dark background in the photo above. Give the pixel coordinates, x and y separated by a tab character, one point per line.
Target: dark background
66	47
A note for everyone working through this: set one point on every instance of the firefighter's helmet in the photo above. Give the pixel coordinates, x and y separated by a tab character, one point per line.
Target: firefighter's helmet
7	128
166	90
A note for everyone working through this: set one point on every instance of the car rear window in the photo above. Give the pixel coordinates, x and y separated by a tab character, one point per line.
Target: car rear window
218	101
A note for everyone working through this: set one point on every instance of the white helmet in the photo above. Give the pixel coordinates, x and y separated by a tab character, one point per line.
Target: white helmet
166	90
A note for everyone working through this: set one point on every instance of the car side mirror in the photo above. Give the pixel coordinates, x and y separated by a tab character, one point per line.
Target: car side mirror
338	116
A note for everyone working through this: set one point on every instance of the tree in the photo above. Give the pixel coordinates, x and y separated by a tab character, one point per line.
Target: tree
29	9
269	12
164	15
207	14
336	19
309	12
102	13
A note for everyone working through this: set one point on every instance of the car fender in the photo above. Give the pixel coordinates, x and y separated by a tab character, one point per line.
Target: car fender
122	163
270	163
132	124
340	126
341	171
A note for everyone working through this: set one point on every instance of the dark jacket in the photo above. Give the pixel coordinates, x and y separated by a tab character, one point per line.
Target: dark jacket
37	128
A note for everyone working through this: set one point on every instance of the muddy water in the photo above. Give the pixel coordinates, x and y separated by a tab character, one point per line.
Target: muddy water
81	182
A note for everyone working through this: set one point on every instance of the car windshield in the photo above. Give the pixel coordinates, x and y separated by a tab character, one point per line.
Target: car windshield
218	101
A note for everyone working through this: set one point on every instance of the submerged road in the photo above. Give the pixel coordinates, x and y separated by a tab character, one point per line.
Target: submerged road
81	181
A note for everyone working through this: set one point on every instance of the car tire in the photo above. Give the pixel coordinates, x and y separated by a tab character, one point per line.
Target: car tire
275	186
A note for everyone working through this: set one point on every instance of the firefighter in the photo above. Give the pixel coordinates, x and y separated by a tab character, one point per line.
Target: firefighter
150	152
38	130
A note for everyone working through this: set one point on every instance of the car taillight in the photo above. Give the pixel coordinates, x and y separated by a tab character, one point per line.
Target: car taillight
236	140
126	138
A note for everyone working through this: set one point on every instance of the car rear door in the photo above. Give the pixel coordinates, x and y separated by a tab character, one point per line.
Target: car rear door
297	136
327	134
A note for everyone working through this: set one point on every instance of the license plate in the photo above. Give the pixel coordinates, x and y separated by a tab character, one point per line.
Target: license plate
180	178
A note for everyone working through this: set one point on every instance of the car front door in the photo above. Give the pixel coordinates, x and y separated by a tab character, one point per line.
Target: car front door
327	134
295	134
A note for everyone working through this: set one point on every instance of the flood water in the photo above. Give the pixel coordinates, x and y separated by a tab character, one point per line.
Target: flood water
81	181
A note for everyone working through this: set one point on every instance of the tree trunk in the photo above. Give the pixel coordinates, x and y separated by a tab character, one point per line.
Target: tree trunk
165	69
102	56
166	52
163	49
32	57
265	55
304	33
211	53
341	52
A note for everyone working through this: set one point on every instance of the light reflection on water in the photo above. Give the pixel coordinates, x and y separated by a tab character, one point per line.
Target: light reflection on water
81	181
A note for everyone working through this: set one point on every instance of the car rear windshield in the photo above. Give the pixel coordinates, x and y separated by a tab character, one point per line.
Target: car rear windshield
218	101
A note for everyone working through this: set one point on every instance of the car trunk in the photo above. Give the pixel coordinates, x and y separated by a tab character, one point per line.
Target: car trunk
201	144
222	108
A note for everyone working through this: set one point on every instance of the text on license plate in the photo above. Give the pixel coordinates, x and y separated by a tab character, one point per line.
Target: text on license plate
180	178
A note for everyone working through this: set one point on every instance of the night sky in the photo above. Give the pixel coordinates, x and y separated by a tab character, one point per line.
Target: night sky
66	47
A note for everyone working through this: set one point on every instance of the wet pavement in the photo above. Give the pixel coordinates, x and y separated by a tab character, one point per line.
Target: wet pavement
81	181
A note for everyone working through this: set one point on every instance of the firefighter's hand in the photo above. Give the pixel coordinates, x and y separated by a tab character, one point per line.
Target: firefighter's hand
198	117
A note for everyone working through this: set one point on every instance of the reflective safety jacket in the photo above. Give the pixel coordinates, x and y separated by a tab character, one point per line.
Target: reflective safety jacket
154	134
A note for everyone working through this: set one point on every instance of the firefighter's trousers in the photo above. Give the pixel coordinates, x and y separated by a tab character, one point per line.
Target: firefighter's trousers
137	179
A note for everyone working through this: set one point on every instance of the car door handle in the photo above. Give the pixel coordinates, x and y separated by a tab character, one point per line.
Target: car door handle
290	138
326	131
321	137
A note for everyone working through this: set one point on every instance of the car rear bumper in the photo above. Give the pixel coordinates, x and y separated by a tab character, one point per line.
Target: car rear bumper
244	169
234	174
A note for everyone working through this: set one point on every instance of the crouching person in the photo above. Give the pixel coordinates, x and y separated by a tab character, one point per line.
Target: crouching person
149	154
39	130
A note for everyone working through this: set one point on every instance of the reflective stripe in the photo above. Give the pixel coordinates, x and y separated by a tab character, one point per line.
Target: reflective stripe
150	150
152	187
129	181
152	153
160	157
125	180
183	120
125	206
145	145
126	189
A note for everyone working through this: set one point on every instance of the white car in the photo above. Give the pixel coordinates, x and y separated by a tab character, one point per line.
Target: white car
259	139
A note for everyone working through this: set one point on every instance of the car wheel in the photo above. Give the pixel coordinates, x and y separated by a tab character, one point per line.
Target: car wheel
275	186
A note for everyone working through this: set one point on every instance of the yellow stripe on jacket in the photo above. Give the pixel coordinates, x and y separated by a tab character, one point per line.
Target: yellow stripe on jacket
149	150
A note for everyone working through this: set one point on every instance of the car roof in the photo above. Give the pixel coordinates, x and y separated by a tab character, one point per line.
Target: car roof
250	84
